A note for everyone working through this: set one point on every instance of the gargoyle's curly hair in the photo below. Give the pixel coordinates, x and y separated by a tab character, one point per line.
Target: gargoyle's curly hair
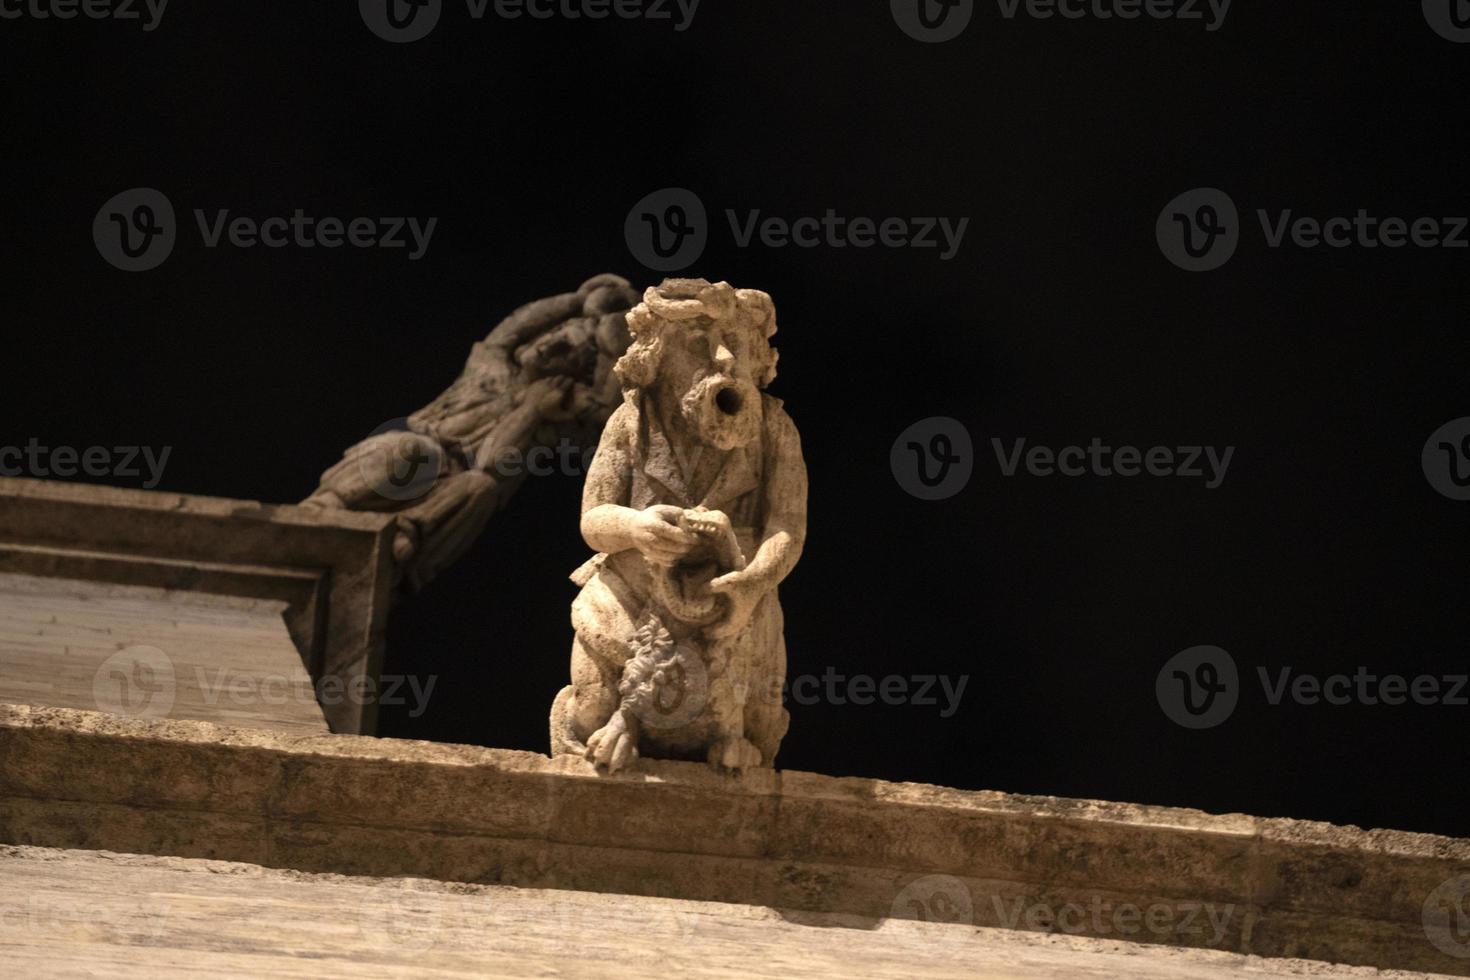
680	300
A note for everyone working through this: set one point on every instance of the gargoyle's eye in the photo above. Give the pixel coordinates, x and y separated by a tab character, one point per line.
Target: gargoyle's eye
699	345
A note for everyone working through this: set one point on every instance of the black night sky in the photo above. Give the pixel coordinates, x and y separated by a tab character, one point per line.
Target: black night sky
1057	320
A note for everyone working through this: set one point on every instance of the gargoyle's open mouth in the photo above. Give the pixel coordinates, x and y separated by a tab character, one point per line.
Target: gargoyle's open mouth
724	411
729	400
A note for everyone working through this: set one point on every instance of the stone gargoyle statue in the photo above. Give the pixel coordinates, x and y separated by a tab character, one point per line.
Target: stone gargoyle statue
543	374
696	505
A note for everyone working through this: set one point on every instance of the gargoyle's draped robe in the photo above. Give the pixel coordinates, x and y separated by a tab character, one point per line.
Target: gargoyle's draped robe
638	466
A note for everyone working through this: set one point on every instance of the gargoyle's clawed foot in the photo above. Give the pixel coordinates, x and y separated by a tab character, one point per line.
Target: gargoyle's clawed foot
614	745
734	753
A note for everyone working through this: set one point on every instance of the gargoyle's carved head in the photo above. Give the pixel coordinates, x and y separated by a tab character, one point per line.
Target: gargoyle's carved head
705	347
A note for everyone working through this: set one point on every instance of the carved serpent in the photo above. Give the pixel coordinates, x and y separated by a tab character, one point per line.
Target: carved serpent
718	548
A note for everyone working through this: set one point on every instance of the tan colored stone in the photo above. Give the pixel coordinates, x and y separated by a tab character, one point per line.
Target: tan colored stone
154	652
696	505
544	373
328	571
72	912
806	844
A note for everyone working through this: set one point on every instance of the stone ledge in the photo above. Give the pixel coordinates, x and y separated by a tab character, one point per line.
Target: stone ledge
332	568
97	913
787	840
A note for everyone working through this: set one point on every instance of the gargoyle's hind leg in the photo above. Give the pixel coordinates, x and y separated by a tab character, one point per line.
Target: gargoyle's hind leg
602	627
766	718
593	698
563	739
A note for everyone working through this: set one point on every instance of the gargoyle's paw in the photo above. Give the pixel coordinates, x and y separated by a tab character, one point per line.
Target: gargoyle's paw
734	753
612	746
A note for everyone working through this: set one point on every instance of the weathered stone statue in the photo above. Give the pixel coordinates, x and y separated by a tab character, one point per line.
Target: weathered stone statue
696	503
543	375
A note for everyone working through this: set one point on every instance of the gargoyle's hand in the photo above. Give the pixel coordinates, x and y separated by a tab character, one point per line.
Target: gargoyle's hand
657	535
615	744
744	590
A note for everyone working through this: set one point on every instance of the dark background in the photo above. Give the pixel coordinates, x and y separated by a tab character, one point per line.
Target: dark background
1059	320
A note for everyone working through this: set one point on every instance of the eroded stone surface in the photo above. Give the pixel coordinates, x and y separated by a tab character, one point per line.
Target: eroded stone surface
799	842
330	569
152	653
696	505
543	374
69	912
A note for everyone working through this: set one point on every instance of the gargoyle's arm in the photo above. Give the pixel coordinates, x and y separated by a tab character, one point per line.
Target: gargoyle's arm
607	520
784	534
